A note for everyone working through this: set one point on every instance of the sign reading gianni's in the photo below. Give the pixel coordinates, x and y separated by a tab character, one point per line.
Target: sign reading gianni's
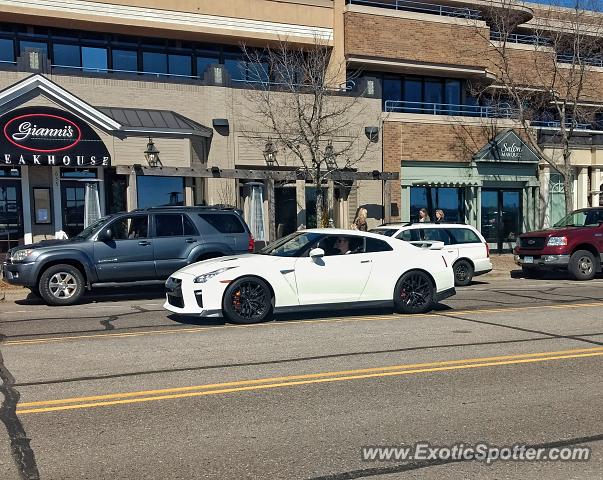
48	136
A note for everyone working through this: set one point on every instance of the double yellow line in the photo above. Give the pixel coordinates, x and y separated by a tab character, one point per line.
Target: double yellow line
296	380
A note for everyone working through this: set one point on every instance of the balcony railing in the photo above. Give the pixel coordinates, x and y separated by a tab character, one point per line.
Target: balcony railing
517	38
557	124
420	7
569	58
482	111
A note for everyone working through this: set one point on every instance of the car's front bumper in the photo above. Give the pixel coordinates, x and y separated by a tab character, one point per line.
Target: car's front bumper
19	273
539	261
185	297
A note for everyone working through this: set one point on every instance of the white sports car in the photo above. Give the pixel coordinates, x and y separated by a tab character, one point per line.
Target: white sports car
319	269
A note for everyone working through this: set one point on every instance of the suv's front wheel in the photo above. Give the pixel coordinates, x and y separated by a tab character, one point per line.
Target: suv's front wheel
61	285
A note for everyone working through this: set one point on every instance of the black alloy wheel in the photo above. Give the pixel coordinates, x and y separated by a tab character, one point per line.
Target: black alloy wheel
247	300
414	293
463	273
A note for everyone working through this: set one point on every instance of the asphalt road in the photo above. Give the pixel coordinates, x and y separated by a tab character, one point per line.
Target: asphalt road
117	389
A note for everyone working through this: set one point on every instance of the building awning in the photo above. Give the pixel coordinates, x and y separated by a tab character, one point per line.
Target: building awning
453	184
156	122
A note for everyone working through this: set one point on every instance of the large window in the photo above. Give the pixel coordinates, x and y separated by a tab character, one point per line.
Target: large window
7	50
450	200
125	60
157	191
153	62
94	59
66	55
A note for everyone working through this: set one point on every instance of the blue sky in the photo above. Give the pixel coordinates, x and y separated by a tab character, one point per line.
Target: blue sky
587	4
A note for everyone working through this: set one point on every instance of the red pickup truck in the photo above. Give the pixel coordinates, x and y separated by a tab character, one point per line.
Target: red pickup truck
575	243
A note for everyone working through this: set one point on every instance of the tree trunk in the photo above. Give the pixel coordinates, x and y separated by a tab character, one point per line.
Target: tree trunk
319	206
568	193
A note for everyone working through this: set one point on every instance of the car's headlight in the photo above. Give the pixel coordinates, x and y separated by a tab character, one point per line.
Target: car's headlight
206	276
556	242
21	255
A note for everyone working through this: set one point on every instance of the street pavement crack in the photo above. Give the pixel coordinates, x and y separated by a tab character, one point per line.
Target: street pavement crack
521	329
417	465
21	450
107	322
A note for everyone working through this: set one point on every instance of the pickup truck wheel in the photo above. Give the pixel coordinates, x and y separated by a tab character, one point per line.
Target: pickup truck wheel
582	265
61	285
463	273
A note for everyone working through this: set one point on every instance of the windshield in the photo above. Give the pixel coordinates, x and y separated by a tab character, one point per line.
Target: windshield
90	230
581	218
292	245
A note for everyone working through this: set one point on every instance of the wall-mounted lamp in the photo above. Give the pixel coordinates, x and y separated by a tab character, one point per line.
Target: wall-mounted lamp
152	154
270	154
372	133
215	171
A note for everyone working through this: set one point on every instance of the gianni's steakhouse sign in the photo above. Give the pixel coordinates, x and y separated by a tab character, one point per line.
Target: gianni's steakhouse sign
48	136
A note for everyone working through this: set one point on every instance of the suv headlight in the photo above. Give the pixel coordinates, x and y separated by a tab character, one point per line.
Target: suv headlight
206	276
21	255
556	242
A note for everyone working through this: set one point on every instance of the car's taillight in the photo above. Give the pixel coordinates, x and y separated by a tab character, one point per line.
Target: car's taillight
251	244
445	262
487	250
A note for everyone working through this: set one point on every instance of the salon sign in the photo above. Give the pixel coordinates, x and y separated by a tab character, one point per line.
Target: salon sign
51	137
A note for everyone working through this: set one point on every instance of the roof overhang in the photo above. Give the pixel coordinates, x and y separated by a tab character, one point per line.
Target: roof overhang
112	120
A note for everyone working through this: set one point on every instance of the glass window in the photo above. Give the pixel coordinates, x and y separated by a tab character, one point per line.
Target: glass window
153	62
258	72
224	222
452	93
10	172
388	232
203	64
24	45
412	235
168	225
94	59
392	90
180	64
374	245
293	245
189	227
463	235
7	52
418	199
66	55
413	93
438	234
126	60
236	68
130	228
433	91
451	202
78	173
342	245
157	191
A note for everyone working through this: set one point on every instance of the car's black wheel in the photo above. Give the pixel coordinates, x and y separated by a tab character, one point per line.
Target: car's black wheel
582	265
529	272
247	300
414	293
463	273
61	285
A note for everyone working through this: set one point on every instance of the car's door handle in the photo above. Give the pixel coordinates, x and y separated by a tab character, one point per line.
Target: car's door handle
190	240
144	243
366	261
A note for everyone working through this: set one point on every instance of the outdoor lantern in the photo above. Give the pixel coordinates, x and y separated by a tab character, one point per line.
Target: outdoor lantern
330	156
270	154
152	154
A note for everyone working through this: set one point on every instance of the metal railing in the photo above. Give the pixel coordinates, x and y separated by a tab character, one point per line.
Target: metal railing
518	38
484	111
557	124
420	7
571	59
132	72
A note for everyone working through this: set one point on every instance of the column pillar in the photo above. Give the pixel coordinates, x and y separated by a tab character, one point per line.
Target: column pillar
101	191
405	204
529	216
595	186
188	191
478	208
271	210
330	199
582	197
132	193
544	204
300	201
56	200
26	205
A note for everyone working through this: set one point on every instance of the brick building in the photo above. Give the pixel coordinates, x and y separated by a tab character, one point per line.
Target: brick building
126	77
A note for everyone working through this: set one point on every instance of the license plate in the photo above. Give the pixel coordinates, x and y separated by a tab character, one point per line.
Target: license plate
528	259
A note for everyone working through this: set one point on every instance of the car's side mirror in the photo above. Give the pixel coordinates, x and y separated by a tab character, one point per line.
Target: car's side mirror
317	253
105	235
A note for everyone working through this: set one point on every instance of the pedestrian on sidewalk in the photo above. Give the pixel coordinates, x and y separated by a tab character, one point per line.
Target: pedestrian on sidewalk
423	215
439	215
359	222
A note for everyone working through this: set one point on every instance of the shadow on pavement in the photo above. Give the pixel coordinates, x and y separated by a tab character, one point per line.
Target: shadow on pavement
109	294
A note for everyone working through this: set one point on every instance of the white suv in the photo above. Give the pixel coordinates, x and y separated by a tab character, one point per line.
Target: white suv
465	246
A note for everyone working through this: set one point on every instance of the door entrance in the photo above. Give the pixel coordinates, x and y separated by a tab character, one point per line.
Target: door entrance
73	195
11	216
501	218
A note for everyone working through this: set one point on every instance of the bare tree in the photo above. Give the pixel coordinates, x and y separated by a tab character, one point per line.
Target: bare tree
550	84
296	102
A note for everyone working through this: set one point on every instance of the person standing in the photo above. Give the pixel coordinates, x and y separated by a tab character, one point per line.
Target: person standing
423	215
439	215
359	222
